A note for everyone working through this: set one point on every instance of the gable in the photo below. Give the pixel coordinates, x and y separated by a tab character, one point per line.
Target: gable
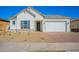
34	12
29	13
24	15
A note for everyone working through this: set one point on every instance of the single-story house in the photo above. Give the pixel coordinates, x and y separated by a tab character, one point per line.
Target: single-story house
4	25
74	25
30	19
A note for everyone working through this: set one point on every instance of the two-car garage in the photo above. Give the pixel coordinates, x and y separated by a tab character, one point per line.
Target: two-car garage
55	26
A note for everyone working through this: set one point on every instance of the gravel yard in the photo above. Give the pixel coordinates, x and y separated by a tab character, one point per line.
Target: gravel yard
39	37
39	42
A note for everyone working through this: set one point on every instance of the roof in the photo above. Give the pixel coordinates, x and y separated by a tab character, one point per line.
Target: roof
56	17
36	11
45	16
12	17
4	20
74	20
26	9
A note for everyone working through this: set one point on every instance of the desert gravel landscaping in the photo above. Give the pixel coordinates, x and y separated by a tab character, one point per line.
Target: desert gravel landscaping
45	37
39	42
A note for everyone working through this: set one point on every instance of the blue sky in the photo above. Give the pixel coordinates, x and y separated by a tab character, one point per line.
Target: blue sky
71	11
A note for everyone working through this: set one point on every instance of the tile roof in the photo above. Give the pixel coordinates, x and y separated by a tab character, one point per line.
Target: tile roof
56	17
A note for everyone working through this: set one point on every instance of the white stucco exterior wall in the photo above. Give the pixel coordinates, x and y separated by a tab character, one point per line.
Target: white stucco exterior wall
26	16
13	27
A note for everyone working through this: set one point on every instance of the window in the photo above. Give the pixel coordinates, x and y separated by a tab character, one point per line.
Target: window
13	22
25	24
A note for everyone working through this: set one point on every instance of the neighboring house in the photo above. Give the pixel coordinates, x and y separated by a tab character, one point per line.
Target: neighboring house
75	25
31	20
3	25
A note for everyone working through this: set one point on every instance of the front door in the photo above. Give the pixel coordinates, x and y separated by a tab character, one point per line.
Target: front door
38	26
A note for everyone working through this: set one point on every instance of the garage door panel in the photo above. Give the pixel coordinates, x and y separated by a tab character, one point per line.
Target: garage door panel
55	26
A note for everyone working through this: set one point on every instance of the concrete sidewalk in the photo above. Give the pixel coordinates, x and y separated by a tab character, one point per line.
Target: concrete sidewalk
38	47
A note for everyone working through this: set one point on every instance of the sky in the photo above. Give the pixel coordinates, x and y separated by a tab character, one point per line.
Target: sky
71	11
